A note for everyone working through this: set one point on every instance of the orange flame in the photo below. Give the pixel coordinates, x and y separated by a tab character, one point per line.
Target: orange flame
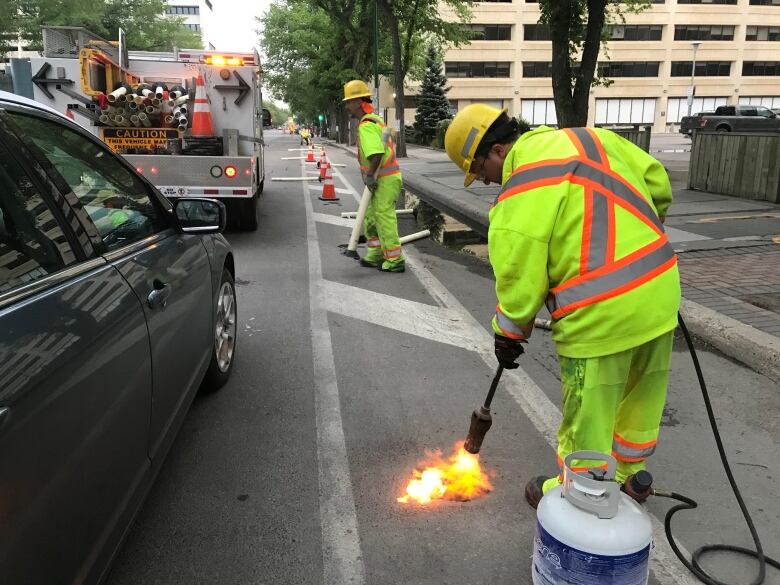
459	478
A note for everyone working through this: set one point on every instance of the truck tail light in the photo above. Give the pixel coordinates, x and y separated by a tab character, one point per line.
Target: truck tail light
231	172
702	123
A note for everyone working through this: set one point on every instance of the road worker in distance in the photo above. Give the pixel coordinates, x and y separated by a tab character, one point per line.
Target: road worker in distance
577	226
382	175
305	135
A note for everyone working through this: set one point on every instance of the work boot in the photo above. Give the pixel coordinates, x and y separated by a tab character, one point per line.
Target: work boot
368	263
638	485
387	267
533	490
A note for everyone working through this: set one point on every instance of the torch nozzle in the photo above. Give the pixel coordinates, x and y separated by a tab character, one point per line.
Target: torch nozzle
480	425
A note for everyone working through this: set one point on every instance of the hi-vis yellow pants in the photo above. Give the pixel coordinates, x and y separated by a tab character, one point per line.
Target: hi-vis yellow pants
381	223
613	404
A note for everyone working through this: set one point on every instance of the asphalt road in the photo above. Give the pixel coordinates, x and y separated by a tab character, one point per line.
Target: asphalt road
346	376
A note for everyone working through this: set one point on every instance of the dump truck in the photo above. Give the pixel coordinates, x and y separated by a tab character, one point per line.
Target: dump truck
142	105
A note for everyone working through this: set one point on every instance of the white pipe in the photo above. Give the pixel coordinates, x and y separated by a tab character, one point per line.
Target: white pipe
182	127
116	94
136	121
104	119
337	165
415	236
295	178
146	92
156	102
158	93
181	99
363	207
144	119
352	214
170	104
293	158
543	324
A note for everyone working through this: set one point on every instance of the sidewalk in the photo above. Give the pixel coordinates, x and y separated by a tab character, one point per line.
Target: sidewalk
728	250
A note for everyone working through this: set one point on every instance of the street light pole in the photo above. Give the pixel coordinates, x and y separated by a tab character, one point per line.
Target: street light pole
695	45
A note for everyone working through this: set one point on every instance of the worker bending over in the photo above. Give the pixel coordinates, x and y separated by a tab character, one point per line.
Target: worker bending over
577	226
382	175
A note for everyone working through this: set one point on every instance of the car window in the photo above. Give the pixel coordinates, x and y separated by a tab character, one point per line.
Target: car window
748	112
116	200
764	111
32	242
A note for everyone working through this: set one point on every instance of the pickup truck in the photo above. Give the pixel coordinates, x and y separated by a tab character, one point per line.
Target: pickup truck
740	118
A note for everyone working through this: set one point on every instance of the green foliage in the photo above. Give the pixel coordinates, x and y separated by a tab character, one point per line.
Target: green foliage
311	53
432	103
144	21
279	114
441	130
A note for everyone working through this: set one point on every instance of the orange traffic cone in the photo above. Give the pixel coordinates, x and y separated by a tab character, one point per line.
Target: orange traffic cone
201	118
310	154
324	168
328	189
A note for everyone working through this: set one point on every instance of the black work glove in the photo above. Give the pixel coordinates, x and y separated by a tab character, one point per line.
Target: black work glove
507	351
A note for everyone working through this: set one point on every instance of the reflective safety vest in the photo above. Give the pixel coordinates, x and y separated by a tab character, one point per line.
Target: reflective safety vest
577	226
370	134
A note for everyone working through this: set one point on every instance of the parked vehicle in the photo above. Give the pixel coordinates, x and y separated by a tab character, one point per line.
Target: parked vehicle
116	305
739	118
142	104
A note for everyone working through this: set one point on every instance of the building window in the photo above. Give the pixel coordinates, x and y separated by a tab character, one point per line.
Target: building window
477	69
636	32
706	1
183	10
625	110
505	1
703	68
537	112
537	69
765	2
685	32
536	32
761	68
677	107
772	102
628	69
192	27
489	32
762	33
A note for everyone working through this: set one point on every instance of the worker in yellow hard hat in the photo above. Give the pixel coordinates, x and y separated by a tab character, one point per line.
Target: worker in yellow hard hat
578	226
382	175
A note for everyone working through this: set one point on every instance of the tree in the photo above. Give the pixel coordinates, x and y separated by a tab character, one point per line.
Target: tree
279	114
410	24
311	51
432	103
145	23
576	28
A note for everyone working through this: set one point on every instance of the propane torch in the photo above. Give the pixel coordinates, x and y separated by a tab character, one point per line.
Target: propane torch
481	419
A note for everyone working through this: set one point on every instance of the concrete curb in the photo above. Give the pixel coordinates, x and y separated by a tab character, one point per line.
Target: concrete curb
756	349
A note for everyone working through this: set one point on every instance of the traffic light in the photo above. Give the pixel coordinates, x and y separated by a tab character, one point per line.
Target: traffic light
321	117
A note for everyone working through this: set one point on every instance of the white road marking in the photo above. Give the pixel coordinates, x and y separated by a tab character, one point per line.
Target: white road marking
334	220
341	554
540	410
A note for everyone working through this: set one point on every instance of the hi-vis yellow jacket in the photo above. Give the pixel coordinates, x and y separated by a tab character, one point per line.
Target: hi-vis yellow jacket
576	226
369	143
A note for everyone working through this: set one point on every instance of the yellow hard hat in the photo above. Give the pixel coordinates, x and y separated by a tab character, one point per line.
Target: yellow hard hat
357	88
466	132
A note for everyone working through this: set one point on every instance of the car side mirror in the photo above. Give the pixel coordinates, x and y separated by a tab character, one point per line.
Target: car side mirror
195	215
266	118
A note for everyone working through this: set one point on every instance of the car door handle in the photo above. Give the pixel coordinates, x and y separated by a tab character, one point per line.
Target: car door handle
159	295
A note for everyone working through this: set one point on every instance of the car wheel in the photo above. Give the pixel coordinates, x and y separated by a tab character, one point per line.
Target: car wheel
223	351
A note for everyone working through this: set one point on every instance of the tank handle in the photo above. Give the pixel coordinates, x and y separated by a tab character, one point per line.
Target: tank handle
598	497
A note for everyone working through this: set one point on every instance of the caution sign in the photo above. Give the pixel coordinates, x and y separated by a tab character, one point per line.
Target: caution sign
118	139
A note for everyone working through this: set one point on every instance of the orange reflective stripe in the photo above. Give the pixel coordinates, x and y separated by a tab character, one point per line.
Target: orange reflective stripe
510	329
600	276
373	243
392	253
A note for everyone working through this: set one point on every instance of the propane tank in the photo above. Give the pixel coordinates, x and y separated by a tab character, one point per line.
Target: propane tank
589	532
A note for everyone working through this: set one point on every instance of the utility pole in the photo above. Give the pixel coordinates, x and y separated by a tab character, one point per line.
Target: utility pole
691	90
376	56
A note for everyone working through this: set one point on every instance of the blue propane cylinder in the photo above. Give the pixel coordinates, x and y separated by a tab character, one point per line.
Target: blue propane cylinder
588	532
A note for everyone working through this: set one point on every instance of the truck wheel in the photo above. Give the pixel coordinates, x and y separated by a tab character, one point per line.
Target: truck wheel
247	213
722	129
260	186
223	351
